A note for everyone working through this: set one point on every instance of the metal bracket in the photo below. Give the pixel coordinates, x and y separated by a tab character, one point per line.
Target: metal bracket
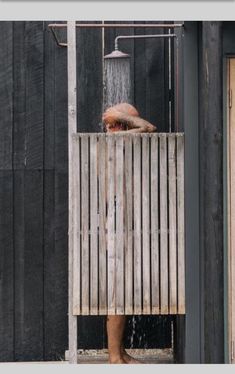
56	38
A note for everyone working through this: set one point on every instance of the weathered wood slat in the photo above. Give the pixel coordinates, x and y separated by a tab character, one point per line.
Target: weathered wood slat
129	258
111	226
93	226
172	225
180	220
163	227
119	227
85	224
137	224
72	128
146	225
128	214
154	227
76	170
102	173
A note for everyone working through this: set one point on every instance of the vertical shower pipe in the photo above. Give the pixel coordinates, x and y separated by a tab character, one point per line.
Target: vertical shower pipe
72	128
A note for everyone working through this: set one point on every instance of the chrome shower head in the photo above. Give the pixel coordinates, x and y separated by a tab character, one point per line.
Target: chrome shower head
117	54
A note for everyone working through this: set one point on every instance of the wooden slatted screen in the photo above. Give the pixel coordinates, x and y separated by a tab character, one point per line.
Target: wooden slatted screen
128	224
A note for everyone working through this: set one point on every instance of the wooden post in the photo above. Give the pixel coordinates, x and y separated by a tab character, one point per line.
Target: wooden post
211	176
72	128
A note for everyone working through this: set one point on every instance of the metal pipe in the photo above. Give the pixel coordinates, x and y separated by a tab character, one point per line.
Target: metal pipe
141	37
118	25
56	39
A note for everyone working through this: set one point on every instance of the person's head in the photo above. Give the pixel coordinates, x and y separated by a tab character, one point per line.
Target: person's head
111	117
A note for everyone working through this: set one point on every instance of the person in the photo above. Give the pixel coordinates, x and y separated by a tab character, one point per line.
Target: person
122	118
125	117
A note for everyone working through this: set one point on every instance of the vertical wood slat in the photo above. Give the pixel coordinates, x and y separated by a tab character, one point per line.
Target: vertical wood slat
163	227
76	225
72	128
85	224
93	226
102	173
180	219
154	227
146	225
119	236
128	188
132	252
172	225
110	225
137	225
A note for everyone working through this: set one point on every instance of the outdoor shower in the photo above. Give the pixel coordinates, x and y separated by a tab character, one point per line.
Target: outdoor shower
117	71
105	276
117	65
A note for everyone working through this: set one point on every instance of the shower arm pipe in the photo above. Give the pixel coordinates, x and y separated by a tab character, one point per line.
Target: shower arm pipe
168	36
177	62
53	26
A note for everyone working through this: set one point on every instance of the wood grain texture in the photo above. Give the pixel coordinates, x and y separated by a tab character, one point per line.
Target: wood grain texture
34	119
28	238
7	338
134	183
76	183
137	225
180	220
111	248
72	128
163	225
119	234
146	225
172	226
19	129
93	225
102	171
85	263
55	198
155	258
128	215
6	94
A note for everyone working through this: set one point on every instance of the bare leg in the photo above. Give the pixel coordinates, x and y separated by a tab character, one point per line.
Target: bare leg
115	331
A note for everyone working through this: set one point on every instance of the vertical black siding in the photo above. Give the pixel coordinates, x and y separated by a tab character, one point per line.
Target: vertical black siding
211	165
6	194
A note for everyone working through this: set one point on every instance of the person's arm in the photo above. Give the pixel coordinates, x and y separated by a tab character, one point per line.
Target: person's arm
134	124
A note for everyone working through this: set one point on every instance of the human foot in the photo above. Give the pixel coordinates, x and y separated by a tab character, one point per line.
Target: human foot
118	360
130	360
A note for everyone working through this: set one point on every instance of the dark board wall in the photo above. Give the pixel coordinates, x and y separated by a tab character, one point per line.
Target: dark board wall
34	182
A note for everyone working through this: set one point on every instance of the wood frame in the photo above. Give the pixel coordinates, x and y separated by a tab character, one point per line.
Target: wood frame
72	128
231	204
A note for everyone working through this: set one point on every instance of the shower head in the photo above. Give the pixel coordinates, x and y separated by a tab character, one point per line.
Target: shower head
117	54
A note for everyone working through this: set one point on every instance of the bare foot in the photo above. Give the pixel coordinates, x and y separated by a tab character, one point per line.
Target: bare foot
130	360
117	361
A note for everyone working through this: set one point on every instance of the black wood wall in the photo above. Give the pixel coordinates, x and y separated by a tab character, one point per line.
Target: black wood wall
34	181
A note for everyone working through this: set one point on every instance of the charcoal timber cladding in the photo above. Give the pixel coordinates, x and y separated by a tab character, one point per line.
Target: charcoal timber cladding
128	224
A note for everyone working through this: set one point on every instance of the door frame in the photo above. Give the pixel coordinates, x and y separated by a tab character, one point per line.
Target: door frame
229	267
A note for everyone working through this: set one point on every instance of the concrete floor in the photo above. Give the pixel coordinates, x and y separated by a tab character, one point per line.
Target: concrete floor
147	356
